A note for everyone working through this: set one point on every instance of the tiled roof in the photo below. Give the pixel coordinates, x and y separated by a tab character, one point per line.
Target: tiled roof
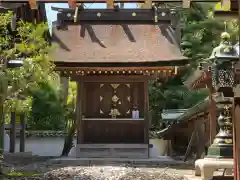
113	44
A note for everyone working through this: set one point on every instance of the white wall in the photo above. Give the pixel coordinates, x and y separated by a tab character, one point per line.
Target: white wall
52	146
159	148
46	146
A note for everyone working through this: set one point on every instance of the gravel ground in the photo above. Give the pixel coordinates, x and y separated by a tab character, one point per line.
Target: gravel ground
108	172
58	171
105	173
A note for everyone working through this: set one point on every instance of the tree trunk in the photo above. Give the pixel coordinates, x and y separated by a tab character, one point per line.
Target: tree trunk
68	143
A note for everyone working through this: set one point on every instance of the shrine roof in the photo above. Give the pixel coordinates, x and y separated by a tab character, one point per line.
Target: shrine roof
122	44
185	117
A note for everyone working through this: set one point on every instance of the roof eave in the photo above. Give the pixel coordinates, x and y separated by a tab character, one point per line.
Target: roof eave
178	62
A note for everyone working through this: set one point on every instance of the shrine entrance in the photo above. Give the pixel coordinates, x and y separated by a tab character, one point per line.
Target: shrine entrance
100	124
107	103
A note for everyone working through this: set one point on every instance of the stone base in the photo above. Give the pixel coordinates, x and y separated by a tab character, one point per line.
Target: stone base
206	167
112	151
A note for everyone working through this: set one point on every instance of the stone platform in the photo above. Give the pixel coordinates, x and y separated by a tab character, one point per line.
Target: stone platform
163	160
112	151
206	167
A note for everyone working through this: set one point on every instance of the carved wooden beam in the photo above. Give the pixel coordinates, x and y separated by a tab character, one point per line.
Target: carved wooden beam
115	16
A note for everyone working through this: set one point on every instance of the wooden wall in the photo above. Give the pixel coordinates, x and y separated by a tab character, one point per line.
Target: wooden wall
181	135
113	131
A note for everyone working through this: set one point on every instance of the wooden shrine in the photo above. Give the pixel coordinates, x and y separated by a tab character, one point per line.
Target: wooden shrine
112	63
112	54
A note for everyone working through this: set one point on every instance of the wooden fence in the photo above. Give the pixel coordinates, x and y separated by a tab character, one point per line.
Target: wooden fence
17	123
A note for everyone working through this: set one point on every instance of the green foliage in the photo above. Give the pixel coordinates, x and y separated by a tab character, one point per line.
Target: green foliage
201	32
47	109
172	95
35	78
27	43
72	95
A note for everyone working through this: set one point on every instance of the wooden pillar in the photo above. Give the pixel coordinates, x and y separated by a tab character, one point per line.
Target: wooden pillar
236	123
146	113
212	115
236	137
22	132
64	89
169	148
65	83
13	132
79	109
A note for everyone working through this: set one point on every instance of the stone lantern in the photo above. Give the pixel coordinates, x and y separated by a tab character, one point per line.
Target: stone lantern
223	59
222	65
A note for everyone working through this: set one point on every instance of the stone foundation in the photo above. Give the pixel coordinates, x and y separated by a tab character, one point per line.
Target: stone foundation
112	151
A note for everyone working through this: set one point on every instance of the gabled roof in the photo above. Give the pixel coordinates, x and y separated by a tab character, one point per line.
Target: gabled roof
114	44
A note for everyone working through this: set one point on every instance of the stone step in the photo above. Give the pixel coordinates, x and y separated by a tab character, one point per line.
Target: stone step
116	161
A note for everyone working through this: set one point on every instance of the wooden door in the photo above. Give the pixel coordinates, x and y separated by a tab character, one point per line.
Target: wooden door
115	96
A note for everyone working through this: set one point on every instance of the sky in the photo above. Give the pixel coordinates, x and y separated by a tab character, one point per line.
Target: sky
52	15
